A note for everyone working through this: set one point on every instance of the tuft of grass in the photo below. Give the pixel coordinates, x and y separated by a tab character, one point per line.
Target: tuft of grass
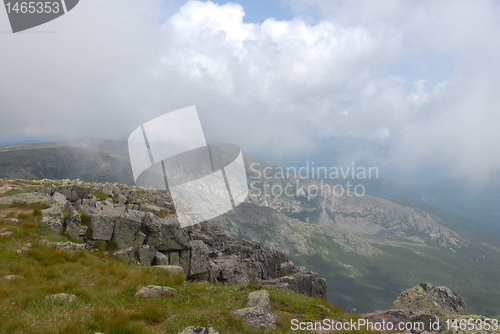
100	195
111	245
165	213
85	218
25	205
23	190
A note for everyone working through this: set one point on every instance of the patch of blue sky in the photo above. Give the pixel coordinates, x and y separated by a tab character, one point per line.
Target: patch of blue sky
424	66
256	11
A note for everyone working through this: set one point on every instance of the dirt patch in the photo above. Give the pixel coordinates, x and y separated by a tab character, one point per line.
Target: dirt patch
4	232
6	187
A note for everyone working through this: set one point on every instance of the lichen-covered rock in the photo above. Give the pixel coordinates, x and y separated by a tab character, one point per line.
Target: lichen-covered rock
102	227
126	254
145	255
53	218
152	208
156	291
173	270
257	317
126	228
160	259
301	281
438	300
112	211
73	192
73	224
199	330
59	199
199	259
174	237
257	314
69	246
259	298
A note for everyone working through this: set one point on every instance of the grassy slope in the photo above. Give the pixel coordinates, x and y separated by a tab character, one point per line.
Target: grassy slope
105	288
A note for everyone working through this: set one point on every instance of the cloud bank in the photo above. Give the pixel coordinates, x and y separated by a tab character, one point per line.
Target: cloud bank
421	76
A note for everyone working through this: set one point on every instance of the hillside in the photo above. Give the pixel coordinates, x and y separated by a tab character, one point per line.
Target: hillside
52	283
368	248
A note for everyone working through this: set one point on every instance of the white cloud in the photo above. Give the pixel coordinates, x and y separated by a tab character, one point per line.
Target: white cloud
275	87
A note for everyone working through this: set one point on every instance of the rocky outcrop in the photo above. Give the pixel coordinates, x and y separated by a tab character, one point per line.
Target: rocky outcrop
429	309
140	226
438	300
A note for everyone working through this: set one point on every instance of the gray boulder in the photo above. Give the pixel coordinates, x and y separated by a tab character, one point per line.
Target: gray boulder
259	298
257	314
59	199
69	246
145	255
53	218
126	254
438	300
102	227
199	330
174	237
172	270
73	192
156	291
126	228
73	224
199	264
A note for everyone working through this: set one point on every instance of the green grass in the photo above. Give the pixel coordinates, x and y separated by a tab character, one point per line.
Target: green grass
24	189
100	195
105	288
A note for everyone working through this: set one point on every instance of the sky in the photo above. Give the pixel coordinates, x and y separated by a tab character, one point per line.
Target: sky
275	77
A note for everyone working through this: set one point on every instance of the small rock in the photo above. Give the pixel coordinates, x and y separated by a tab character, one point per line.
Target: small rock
156	291
160	259
62	297
59	199
260	299
199	330
69	246
257	314
127	254
173	270
4	232
321	306
9	277
257	317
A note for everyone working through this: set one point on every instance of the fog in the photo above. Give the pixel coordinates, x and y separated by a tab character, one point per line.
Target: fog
419	76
